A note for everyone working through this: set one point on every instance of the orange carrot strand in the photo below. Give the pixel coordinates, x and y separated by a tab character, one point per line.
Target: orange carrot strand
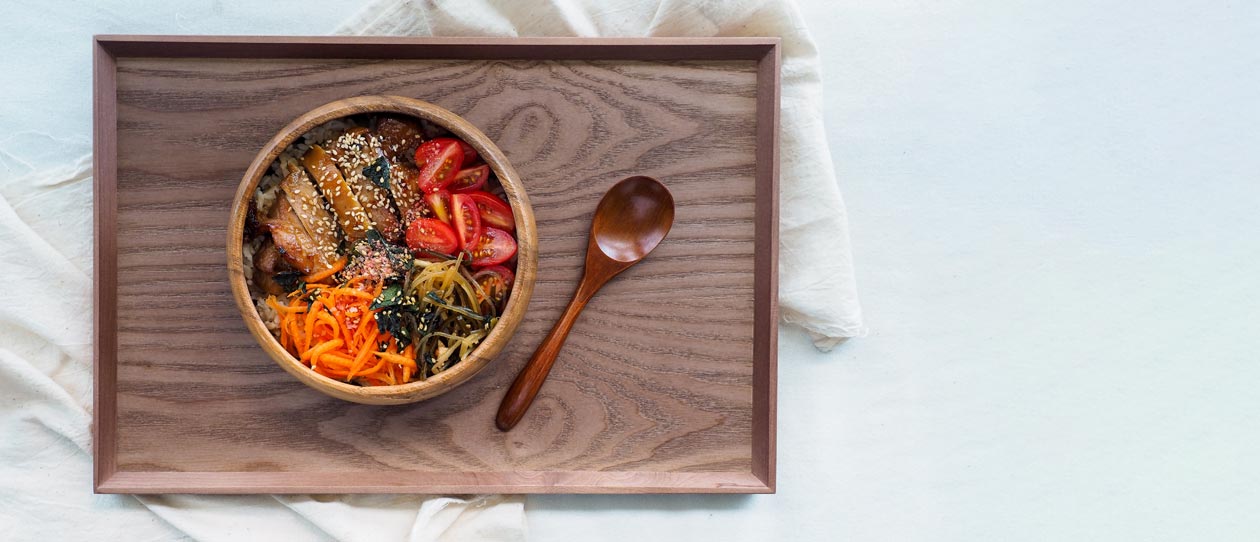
316	277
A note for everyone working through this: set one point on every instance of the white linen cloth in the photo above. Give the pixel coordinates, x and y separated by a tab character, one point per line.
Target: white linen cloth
816	284
45	402
46	326
45	244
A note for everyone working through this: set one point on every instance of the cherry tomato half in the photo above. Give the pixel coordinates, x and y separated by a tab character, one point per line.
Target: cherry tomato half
431	234
470	154
470	179
494	211
438	203
438	160
466	221
494	247
496	281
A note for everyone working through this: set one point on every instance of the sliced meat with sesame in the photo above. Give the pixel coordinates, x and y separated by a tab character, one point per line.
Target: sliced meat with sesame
313	212
295	246
351	216
399	138
398	141
354	152
404	184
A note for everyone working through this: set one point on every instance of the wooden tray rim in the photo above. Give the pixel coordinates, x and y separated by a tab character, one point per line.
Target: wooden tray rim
108	48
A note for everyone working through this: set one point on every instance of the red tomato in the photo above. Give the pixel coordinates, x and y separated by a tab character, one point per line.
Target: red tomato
438	160
470	154
494	247
439	204
497	270
466	221
470	179
496	281
494	212
431	234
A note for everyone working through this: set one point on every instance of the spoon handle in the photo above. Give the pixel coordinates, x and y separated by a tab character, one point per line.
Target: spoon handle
531	378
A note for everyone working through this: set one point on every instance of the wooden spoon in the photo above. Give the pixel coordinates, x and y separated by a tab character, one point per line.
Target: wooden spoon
629	222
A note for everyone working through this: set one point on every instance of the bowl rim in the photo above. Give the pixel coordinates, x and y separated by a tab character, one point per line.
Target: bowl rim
526	234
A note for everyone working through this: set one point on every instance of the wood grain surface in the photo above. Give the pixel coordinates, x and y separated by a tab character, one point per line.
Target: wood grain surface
631	220
662	385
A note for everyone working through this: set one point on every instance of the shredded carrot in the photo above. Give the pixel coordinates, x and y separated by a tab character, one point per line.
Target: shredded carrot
367	324
271	300
327	273
352	292
356	280
312	314
362	357
292	330
335	358
332	322
397	359
321	348
333	330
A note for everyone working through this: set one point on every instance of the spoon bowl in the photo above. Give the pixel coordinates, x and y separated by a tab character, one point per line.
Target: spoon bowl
629	222
632	218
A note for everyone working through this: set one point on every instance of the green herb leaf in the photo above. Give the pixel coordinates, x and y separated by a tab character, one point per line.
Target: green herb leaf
289	280
378	173
397	314
400	258
399	321
391	296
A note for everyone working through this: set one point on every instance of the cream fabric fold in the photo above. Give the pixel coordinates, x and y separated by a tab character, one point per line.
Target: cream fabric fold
817	290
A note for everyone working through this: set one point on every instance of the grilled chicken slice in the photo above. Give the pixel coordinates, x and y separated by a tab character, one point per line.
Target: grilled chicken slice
399	138
404	184
295	246
267	262
267	259
354	151
351	216
311	210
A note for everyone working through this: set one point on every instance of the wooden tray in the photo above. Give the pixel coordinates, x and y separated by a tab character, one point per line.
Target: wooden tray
667	383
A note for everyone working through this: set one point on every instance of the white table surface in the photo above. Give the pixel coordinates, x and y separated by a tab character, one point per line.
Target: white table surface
1056	216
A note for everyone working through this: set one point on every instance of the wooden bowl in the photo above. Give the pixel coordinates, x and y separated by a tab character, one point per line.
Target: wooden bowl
522	287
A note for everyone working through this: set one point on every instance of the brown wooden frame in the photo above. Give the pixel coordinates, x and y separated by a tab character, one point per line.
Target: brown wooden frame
106	49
